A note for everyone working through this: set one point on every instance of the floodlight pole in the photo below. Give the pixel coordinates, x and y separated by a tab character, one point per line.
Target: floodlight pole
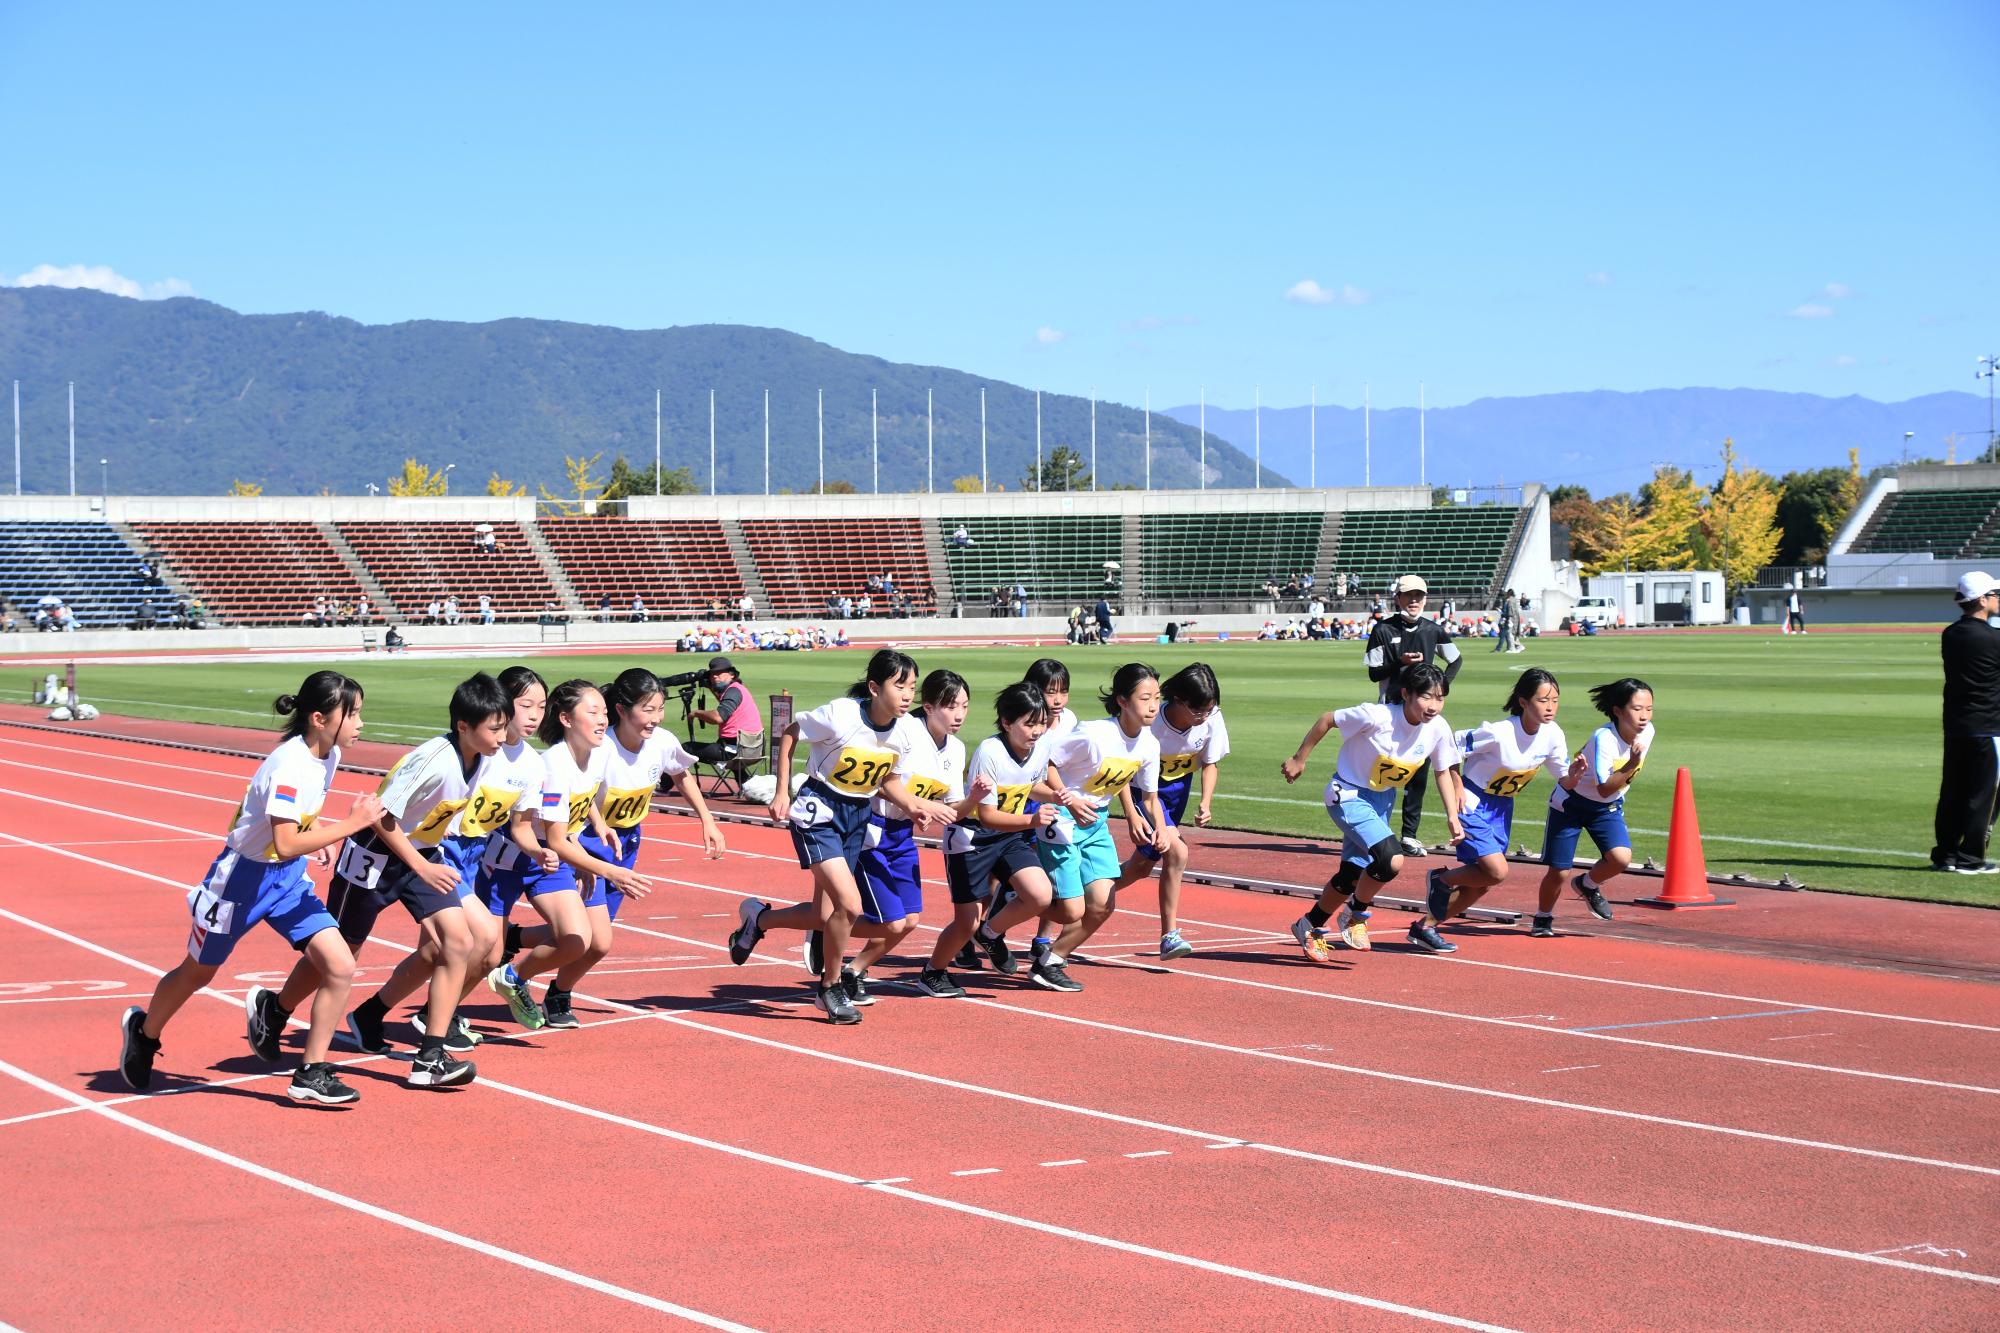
874	443
767	441
711	442
822	441
982	440
1367	438
656	443
1990	364
72	438
1093	439
930	442
1149	439
1257	430
1312	438
1204	437
1038	441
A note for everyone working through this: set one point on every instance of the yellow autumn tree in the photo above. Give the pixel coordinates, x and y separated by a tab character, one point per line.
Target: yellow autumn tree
500	486
417	479
576	474
1741	520
1613	535
245	488
967	485
1669	521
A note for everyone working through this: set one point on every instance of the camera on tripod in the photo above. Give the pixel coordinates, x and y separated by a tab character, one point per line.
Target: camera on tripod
685	683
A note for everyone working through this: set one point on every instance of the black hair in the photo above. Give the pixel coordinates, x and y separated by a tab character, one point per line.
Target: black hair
1528	686
477	698
942	686
633	687
1021	699
515	681
1046	671
562	699
326	692
1418	679
1610	698
1129	678
1193	686
886	665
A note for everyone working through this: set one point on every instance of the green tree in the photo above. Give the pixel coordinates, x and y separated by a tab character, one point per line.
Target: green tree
1572	507
626	481
1812	505
1062	470
500	486
1741	521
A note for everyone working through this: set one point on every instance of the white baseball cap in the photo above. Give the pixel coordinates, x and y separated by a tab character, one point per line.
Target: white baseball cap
1408	583
1976	585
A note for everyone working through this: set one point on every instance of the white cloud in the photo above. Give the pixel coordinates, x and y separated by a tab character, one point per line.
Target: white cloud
1308	292
1842	361
1046	335
1836	291
1598	279
1811	311
100	278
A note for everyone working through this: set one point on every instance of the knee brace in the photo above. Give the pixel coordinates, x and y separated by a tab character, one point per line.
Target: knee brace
1380	868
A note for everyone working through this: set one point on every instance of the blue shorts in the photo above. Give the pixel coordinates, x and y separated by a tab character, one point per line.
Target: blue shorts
1076	855
997	856
827	827
1487	828
1578	815
889	880
236	894
501	889
600	893
1363	818
1173	804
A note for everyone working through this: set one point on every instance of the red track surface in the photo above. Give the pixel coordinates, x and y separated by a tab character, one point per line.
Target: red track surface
1239	1139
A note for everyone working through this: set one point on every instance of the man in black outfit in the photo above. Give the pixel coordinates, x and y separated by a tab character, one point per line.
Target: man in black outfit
1401	640
1971	649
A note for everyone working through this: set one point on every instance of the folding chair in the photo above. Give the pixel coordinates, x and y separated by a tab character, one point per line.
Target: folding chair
730	773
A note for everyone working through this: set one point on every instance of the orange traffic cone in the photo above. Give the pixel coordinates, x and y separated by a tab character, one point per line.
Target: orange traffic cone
1687	868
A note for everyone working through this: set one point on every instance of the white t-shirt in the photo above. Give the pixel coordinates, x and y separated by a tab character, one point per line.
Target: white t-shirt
569	789
426	790
1381	748
1604	754
936	773
1012	780
1501	758
632	776
1098	759
1060	725
508	774
290	784
1182	752
851	756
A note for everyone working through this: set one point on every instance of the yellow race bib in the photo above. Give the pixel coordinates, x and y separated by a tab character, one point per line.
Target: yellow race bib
1391	773
431	831
928	789
1012	800
1175	767
627	809
487	811
1111	775
1510	781
579	810
859	772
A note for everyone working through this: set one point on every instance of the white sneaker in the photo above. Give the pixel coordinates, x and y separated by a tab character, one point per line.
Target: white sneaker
1411	847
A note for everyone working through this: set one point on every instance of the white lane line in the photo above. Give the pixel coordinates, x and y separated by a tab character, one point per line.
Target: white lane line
367	1209
1068	1161
1571	1069
979	1171
64	999
1157	1152
1799	1036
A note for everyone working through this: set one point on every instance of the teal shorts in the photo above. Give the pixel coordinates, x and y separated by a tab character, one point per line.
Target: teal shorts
1078	855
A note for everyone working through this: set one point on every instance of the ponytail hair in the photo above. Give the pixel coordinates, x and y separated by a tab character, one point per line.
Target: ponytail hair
563	699
633	687
1614	696
325	692
1129	678
886	665
1528	686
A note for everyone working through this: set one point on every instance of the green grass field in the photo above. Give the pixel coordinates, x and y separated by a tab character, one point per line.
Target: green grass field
1818	756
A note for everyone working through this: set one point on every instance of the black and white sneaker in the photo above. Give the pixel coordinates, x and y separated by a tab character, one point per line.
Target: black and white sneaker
436	1069
265	1023
1592	896
556	1006
937	983
1050	974
458	1036
997	952
1414	847
318	1083
1437	896
813	951
833	1002
135	1060
856	986
968	959
1003	895
1427	939
1543	926
363	1031
750	912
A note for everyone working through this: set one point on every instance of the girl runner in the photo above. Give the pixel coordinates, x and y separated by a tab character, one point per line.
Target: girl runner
1501	758
1087	768
999	843
1193	741
1381	747
1591	799
861	744
260	875
1052	679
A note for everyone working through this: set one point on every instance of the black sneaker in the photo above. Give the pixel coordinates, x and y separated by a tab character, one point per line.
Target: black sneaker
968	959
318	1083
1050	974
458	1036
997	953
1543	927
135	1060
556	1006
937	983
363	1032
436	1069
265	1023
744	938
1592	896
814	952
833	1002
856	986
1427	939
1437	896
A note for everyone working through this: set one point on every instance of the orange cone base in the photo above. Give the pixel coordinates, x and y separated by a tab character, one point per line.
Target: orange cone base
1663	901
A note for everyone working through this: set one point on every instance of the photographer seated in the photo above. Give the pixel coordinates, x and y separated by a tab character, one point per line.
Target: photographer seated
735	713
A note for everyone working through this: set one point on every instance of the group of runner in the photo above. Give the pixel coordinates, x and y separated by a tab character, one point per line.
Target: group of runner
467	824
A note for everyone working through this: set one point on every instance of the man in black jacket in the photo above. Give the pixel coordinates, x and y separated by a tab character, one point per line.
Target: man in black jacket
1401	640
1971	650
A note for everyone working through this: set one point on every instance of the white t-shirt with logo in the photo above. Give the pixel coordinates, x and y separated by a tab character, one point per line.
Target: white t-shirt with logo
290	784
1098	759
936	773
1604	754
1013	782
851	756
503	780
1501	758
632	776
1183	752
1381	748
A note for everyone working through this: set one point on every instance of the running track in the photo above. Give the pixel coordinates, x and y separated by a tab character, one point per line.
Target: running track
1535	1134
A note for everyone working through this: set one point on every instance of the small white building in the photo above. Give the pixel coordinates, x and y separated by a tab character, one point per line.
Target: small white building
1664	596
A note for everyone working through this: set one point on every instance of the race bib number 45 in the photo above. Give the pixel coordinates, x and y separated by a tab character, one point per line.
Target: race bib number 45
1392	773
1510	781
859	772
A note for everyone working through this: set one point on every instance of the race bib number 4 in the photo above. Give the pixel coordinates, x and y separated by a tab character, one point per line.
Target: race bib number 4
1510	781
859	772
212	912
1111	776
1176	767
626	809
1392	773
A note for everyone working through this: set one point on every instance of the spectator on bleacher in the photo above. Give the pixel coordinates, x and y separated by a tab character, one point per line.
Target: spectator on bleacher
1400	641
194	614
485	609
147	616
64	620
874	583
960	537
735	712
451	615
1291	588
1112	569
1306	581
1271	588
1020	599
483	541
9	622
639	616
747	607
888	584
865	607
604	608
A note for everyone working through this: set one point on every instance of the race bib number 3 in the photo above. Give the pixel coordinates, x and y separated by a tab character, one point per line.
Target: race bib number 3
859	772
1510	781
1392	773
1111	775
626	809
1175	767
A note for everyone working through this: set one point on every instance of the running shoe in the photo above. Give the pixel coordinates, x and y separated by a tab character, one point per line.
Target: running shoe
1427	939
555	1008
997	952
1412	847
813	950
459	1036
968	959
1543	927
510	942
937	983
744	938
856	986
1437	896
135	1060
1316	942
833	1002
363	1031
522	1005
1592	896
1173	946
266	1023
436	1069
318	1083
1352	927
1050	974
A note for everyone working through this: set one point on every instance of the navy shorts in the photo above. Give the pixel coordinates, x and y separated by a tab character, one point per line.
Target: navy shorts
826	827
890	879
1173	804
971	874
1487	827
1578	815
368	878
600	893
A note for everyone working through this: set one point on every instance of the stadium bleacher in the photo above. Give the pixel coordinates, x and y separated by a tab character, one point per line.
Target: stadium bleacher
86	564
1225	557
417	563
252	573
680	567
802	562
1943	522
1058	558
1458	550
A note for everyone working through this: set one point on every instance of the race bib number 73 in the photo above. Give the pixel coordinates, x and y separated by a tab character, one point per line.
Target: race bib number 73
1392	773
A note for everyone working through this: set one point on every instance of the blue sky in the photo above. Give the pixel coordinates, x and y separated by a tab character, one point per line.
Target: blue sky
1497	200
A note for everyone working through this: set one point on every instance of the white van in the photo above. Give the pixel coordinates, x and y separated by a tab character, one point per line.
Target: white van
1596	610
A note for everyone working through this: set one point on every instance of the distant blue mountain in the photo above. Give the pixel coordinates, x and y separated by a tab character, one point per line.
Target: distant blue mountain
1606	441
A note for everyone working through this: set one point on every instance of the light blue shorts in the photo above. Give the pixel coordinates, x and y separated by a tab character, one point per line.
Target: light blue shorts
1363	818
1089	855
